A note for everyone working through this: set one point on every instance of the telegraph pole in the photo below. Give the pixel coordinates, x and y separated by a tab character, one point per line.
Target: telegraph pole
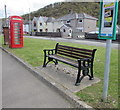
5	12
5	16
29	22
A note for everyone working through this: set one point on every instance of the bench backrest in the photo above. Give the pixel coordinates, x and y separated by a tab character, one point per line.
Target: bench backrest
73	52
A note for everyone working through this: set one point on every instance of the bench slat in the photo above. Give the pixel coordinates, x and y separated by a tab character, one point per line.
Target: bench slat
66	54
65	60
76	56
74	51
88	50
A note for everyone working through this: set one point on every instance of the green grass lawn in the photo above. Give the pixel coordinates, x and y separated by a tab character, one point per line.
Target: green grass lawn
33	54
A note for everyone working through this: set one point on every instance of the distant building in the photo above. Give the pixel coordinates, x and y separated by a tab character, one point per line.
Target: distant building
50	25
26	27
35	24
1	26
72	25
79	23
66	30
118	29
42	24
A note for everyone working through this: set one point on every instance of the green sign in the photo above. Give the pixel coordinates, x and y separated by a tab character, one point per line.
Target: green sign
108	19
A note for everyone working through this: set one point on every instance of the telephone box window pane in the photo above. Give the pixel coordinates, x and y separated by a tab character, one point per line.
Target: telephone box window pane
17	43
16	26
17	31
17	23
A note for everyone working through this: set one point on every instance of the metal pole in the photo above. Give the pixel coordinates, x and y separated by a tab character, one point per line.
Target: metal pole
5	12
107	69
29	22
5	16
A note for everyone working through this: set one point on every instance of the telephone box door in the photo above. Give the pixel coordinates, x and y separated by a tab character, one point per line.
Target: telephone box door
16	32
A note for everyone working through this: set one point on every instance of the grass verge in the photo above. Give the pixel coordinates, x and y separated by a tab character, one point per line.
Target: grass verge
32	52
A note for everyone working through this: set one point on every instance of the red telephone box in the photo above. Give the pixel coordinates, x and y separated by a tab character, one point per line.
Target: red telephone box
16	32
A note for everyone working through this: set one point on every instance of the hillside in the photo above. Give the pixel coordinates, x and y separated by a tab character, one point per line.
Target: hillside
60	9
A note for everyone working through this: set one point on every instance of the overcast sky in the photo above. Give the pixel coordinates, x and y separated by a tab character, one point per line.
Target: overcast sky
19	7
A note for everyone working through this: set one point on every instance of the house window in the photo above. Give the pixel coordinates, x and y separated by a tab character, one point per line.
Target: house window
80	21
58	30
34	24
46	30
40	24
68	21
80	30
35	30
41	30
64	30
70	31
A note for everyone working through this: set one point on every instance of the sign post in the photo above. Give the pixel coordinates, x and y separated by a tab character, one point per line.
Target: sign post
107	30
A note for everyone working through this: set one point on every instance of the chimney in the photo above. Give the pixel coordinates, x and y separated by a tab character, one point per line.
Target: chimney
76	15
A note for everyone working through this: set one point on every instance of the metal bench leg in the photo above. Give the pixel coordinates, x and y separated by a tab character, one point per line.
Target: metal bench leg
44	64
91	70
78	77
81	78
49	60
56	62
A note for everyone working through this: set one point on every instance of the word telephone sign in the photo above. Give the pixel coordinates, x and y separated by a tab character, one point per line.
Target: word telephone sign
16	32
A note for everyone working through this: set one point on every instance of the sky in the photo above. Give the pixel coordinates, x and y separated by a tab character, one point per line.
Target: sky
20	7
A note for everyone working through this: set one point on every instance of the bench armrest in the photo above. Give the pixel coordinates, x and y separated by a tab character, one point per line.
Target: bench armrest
49	51
85	62
85	59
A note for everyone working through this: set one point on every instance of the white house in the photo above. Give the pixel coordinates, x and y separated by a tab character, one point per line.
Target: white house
35	24
26	26
66	30
42	24
50	24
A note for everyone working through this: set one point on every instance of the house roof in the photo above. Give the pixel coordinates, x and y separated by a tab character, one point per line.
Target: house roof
76	15
84	15
66	25
50	19
45	19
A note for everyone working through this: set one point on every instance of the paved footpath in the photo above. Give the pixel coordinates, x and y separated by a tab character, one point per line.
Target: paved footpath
20	89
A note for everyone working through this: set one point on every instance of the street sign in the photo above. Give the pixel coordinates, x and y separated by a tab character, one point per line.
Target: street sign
107	30
108	19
